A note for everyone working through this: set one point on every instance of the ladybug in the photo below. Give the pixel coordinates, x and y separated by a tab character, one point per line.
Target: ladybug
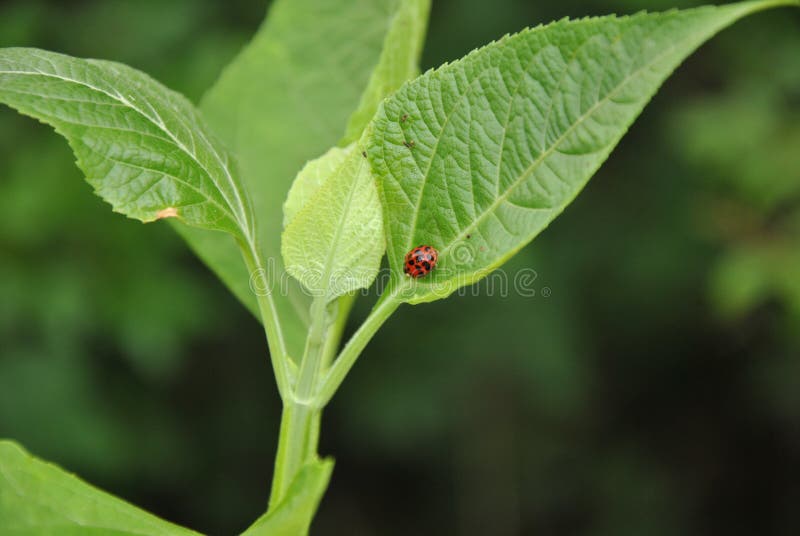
420	261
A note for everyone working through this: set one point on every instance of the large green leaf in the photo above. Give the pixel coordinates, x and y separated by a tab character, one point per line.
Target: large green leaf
143	148
292	516
39	499
286	99
333	241
398	62
477	157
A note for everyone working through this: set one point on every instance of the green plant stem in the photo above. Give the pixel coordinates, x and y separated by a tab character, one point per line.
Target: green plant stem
343	307
304	399
312	357
331	381
269	317
300	420
297	443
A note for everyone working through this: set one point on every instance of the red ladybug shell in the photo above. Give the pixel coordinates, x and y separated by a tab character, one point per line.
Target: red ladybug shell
420	261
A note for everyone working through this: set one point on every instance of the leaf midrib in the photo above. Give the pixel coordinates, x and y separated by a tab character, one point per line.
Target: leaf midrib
337	237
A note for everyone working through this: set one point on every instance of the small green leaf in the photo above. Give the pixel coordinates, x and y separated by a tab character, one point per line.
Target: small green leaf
477	157
293	515
38	498
143	148
309	180
333	244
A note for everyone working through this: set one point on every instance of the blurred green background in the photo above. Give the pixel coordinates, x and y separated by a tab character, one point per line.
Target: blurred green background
656	390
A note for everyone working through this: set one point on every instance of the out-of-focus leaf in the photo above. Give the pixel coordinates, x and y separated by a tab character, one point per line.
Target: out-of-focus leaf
398	62
38	498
